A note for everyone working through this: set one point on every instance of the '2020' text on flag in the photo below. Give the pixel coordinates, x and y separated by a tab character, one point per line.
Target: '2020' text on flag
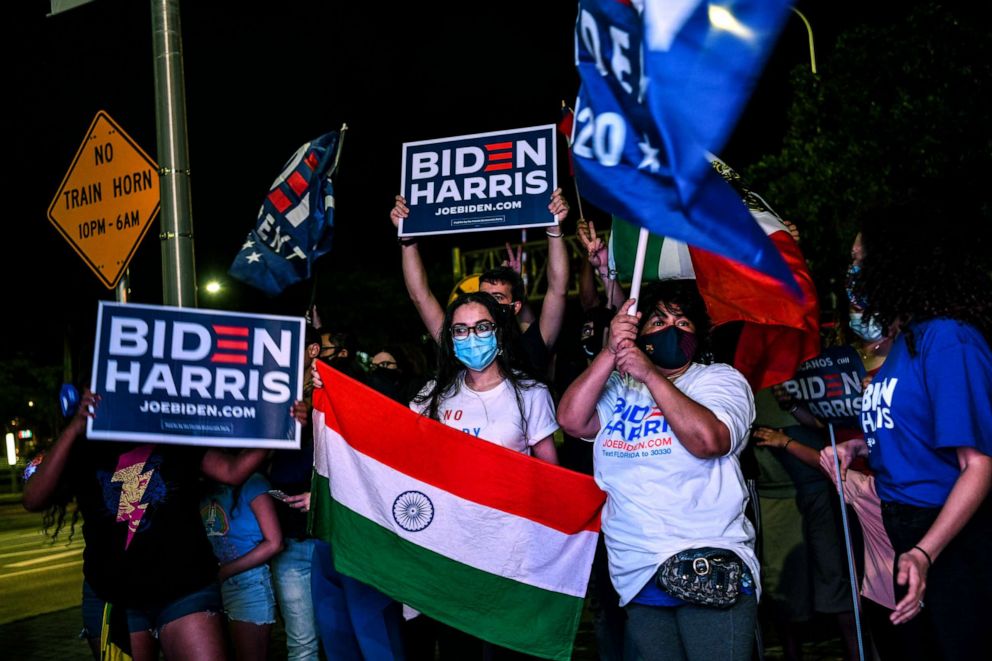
295	223
484	539
663	83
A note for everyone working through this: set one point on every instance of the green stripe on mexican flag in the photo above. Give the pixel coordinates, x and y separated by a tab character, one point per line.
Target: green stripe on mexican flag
484	539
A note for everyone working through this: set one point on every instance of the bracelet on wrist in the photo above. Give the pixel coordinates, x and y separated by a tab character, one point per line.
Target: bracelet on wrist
555	236
786	446
406	240
925	555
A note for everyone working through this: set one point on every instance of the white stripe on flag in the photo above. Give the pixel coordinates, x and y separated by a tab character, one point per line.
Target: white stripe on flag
487	539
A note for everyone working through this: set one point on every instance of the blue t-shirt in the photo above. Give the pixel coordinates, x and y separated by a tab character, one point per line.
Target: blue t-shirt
232	527
919	409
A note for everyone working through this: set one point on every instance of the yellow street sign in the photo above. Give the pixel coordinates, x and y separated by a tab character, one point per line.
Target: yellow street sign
107	200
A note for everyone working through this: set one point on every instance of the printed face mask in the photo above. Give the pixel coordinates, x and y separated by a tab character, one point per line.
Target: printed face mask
869	331
669	348
853	273
474	353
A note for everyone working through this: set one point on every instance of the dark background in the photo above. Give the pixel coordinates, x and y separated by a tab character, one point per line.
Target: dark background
263	79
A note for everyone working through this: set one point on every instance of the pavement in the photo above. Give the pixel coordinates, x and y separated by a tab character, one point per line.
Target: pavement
55	637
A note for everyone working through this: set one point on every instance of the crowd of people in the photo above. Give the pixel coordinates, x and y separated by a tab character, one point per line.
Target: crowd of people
729	517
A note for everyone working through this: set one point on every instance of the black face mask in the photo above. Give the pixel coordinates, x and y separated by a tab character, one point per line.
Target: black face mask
388	382
669	348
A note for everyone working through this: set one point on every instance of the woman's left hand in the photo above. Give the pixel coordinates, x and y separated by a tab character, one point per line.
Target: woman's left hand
558	206
633	362
911	569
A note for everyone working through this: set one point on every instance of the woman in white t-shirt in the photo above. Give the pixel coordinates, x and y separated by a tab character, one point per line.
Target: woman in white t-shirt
668	432
477	388
479	391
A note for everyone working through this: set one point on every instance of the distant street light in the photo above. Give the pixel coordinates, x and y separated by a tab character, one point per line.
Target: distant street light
213	287
809	31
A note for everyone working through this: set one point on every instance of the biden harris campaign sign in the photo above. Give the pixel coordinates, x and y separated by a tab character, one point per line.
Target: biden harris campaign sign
479	182
196	377
830	384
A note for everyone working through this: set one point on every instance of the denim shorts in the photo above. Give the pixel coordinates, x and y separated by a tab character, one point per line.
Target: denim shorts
92	613
248	596
153	619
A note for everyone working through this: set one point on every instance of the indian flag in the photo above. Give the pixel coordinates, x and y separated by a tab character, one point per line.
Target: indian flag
484	539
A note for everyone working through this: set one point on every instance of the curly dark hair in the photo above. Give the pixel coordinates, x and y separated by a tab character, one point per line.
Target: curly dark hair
54	519
449	368
910	273
679	297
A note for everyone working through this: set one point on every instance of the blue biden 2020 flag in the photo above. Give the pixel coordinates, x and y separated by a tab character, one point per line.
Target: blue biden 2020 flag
295	223
663	83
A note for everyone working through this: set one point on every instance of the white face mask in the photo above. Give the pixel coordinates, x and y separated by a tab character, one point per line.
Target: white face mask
869	332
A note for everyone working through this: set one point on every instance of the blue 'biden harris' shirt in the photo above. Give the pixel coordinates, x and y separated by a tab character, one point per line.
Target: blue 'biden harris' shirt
919	409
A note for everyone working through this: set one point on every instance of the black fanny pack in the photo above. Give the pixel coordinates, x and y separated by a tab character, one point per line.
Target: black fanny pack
706	576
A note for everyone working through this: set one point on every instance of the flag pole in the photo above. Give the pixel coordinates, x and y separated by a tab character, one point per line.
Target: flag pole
635	283
334	169
847	544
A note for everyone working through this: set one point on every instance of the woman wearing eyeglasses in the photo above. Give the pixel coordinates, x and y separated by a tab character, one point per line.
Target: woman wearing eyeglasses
479	390
478	387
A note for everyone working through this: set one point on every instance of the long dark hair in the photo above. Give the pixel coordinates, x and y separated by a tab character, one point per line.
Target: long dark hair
449	368
53	521
679	297
921	263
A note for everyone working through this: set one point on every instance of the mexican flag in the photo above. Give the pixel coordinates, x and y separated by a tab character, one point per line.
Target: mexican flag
779	330
484	539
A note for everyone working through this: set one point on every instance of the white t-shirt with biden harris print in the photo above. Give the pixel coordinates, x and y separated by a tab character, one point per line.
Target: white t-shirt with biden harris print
662	499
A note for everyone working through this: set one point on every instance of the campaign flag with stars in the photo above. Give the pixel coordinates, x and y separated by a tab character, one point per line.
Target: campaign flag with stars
663	83
295	223
490	541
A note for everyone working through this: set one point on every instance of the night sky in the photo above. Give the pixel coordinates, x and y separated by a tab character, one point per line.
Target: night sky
261	81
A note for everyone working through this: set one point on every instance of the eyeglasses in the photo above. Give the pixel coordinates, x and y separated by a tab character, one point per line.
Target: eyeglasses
385	365
327	352
482	330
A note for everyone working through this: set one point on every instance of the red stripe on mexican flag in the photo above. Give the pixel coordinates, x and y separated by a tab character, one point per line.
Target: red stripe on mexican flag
489	541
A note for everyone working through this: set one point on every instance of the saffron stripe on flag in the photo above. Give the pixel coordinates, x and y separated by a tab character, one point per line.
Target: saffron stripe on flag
460	464
458	529
398	568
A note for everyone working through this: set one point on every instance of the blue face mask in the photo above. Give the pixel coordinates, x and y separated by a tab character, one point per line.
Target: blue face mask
474	353
868	331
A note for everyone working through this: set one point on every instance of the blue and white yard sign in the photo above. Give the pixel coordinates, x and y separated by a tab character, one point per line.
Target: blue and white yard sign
485	181
196	377
831	385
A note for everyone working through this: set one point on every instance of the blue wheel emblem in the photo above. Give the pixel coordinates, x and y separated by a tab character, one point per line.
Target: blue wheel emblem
413	511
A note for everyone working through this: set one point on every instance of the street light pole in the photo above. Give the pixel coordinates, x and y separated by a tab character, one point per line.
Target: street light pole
178	268
809	31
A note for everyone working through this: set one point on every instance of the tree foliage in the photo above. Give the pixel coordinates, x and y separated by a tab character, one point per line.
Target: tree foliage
898	110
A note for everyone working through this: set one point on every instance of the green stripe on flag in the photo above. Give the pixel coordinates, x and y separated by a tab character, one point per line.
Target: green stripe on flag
624	236
500	610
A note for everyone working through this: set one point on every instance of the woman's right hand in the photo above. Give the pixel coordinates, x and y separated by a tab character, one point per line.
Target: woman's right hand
623	328
847	452
315	376
400	210
88	404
